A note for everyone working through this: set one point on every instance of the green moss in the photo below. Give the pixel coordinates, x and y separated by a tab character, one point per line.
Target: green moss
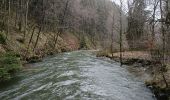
9	64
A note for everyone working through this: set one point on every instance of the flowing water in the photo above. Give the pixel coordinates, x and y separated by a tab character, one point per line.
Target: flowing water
75	76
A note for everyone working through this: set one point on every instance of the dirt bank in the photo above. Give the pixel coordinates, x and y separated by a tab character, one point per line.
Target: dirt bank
33	48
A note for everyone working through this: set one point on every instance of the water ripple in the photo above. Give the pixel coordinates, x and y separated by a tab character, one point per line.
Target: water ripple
76	76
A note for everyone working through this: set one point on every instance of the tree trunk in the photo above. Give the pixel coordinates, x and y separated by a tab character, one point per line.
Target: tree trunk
38	36
153	20
112	36
31	38
9	15
121	33
26	18
20	16
61	23
164	45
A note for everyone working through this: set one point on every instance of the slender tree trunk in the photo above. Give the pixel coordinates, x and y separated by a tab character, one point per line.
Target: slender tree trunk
4	17
31	38
16	16
20	15
9	15
163	33
121	32
112	36
38	36
156	2
41	26
153	21
26	18
61	23
164	44
33	31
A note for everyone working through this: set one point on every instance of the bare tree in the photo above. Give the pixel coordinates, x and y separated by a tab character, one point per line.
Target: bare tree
121	32
37	39
164	45
136	24
9	16
26	17
156	2
61	22
112	40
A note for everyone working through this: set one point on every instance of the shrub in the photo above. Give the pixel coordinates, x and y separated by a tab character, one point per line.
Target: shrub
4	75
9	64
83	43
2	39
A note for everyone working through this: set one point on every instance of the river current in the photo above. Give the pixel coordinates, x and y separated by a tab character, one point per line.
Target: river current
78	75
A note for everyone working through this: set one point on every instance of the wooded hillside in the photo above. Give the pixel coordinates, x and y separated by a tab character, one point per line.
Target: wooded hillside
89	20
33	29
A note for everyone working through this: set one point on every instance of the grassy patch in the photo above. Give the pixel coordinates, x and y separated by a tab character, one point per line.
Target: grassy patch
9	65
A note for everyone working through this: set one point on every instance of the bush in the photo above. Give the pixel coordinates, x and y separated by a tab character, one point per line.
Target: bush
9	64
2	39
83	44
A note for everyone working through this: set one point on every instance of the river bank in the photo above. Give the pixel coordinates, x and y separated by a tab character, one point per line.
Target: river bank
141	65
16	51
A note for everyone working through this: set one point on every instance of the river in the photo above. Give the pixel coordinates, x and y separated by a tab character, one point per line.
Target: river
77	75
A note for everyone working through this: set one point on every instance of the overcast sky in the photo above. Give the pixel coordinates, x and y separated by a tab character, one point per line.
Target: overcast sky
118	2
125	8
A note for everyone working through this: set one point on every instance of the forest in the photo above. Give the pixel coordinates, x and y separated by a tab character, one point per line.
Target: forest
133	33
